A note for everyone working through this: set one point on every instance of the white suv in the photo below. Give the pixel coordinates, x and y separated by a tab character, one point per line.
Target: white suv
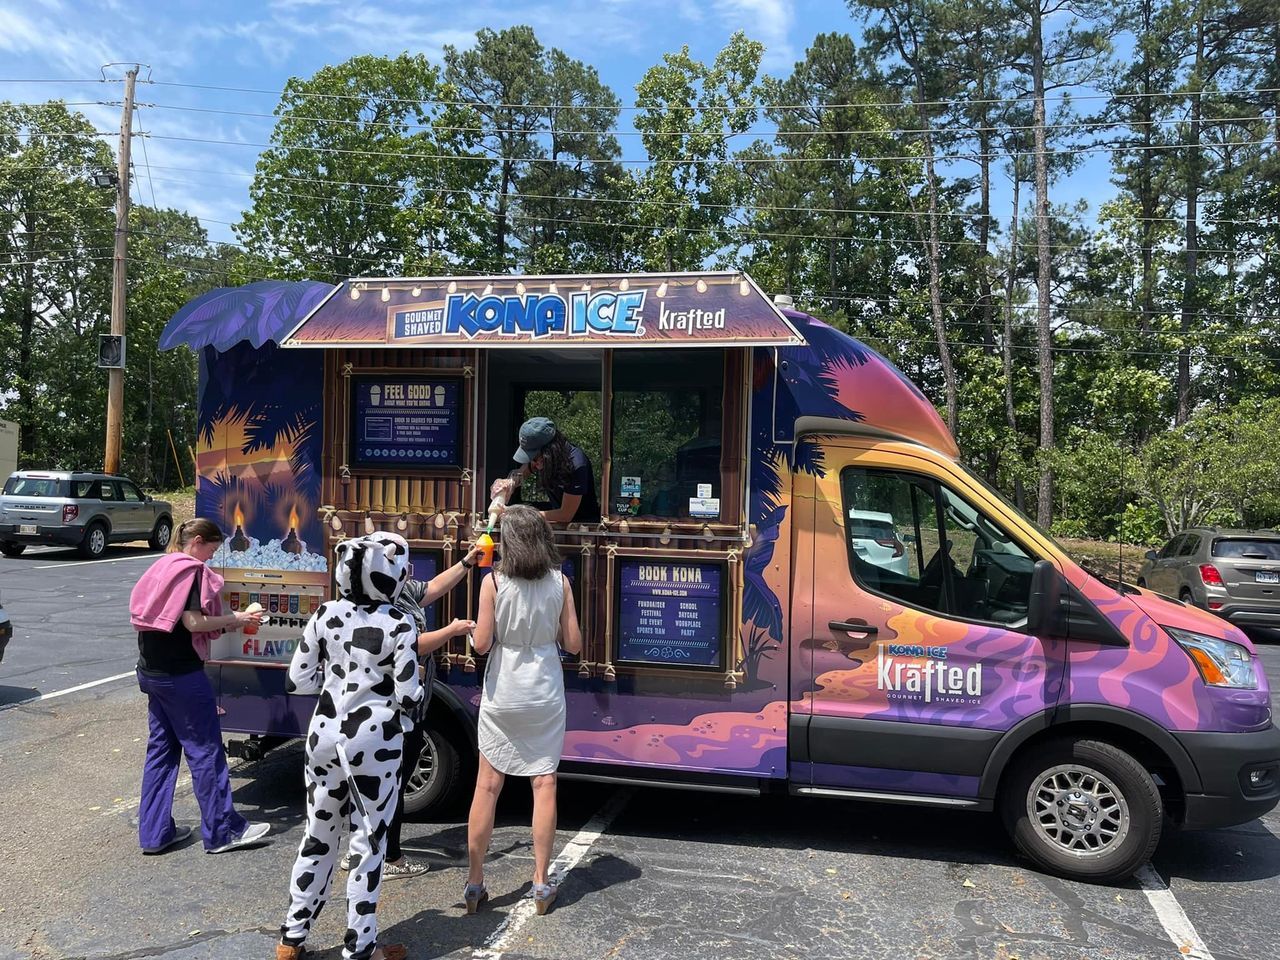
84	510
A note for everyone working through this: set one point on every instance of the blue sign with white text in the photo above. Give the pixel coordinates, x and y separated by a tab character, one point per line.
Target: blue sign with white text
406	421
670	612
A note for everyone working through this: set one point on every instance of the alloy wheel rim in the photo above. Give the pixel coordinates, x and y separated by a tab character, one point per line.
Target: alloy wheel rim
424	774
162	535
97	540
1078	811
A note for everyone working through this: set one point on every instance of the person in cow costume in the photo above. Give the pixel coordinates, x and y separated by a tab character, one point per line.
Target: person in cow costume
358	653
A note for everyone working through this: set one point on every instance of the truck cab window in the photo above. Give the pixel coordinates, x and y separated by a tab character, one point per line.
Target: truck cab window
918	542
667	426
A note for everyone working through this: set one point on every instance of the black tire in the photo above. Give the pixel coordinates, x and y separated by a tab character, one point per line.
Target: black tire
161	535
12	549
437	783
1112	788
94	544
1142	582
1186	597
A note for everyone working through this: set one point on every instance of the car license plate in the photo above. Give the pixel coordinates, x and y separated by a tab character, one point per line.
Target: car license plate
27	529
1266	576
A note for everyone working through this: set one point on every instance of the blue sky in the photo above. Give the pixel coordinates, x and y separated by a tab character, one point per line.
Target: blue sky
261	45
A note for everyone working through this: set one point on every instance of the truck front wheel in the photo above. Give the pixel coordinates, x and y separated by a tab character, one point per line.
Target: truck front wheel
1082	809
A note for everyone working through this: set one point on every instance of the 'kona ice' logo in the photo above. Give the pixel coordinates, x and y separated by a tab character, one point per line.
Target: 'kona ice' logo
546	315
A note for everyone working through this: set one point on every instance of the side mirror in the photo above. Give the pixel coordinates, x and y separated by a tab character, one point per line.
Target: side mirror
1151	555
147	497
1044	611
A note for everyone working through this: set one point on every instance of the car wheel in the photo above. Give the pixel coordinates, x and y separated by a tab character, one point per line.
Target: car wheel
1142	582
1185	596
12	549
161	534
94	543
437	779
1083	809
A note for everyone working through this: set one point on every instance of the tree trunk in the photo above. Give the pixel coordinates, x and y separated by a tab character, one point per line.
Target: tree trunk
1190	279
1044	335
28	434
1010	409
1148	203
984	213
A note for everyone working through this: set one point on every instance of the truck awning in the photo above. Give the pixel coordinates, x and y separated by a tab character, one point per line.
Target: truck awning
713	309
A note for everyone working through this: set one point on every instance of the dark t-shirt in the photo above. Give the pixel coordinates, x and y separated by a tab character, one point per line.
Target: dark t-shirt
171	654
581	483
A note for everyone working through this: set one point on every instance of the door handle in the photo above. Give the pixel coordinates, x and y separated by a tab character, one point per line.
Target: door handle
865	629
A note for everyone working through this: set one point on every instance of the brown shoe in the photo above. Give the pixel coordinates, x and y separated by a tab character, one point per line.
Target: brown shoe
284	952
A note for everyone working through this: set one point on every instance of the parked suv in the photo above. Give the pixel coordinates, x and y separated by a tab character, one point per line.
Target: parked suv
84	510
1233	573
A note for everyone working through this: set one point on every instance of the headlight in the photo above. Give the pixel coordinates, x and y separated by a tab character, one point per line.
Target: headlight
1221	663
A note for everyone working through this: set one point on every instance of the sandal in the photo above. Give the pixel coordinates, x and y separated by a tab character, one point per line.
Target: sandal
474	895
544	895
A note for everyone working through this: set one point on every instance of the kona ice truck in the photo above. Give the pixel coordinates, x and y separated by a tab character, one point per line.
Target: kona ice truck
743	631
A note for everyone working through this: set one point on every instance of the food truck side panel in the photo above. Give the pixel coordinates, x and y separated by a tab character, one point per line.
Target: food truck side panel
258	456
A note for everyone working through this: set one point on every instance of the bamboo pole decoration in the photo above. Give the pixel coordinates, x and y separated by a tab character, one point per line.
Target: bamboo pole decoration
182	482
611	556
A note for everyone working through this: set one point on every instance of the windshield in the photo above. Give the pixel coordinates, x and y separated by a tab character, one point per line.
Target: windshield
1247	549
33	487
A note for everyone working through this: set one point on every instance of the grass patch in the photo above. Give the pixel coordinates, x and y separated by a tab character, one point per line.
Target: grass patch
1110	559
184	503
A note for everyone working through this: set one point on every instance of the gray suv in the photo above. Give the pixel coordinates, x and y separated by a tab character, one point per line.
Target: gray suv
84	510
1233	573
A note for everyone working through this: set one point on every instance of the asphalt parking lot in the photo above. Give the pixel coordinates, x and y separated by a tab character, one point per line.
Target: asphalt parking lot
653	874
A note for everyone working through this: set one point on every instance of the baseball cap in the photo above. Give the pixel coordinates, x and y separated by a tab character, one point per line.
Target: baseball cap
534	435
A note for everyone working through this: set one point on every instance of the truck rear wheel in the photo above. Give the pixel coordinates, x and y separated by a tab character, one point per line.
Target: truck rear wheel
436	783
94	543
1082	809
12	549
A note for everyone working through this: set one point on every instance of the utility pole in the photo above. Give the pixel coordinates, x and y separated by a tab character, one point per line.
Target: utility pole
115	376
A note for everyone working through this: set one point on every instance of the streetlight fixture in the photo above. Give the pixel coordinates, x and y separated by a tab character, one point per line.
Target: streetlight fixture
104	179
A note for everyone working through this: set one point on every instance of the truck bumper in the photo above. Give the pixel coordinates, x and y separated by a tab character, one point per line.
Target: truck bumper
1239	776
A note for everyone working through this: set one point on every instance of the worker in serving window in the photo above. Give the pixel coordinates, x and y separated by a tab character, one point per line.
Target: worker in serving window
562	470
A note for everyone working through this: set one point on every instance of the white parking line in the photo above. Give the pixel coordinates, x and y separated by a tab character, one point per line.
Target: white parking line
81	563
1169	912
63	693
504	936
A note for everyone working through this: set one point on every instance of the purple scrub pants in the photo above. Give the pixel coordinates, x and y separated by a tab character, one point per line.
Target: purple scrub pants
184	719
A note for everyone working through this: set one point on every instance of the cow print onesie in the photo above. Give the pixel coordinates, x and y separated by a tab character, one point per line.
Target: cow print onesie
358	653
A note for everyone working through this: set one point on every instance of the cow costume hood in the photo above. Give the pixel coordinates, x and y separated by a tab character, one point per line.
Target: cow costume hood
372	569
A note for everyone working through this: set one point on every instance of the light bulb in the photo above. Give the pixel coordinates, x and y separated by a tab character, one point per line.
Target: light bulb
702	285
666	535
707	535
453	286
624	284
551	289
662	289
402	522
335	522
368	524
417	292
488	289
439	521
744	288
520	288
355	292
386	294
586	288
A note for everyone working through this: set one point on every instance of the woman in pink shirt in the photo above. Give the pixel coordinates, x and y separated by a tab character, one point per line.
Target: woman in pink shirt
176	608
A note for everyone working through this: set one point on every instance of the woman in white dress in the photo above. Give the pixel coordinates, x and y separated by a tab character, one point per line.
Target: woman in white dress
526	616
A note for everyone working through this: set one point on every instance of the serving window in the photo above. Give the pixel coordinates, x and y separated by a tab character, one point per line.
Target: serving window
666	448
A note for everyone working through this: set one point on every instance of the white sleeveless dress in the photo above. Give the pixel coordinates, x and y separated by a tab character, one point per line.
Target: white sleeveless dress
522	709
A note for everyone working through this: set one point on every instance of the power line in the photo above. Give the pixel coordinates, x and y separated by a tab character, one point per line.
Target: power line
886	104
700	161
614	132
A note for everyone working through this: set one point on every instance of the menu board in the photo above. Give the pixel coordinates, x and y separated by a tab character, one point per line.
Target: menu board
406	421
424	567
670	612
